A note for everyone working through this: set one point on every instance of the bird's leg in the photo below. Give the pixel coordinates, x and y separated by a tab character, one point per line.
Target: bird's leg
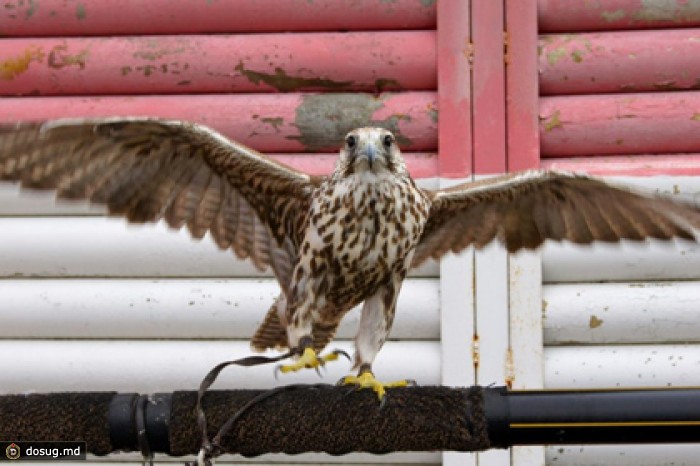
375	323
365	379
308	358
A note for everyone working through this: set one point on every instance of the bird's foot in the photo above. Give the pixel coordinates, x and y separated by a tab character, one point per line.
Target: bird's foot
310	360
366	380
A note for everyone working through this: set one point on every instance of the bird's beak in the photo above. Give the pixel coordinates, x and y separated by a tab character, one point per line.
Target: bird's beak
371	153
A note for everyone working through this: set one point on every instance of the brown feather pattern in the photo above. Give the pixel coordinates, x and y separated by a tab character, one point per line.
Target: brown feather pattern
148	169
525	209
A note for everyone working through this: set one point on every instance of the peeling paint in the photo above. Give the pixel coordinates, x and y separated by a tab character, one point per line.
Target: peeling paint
668	10
80	12
433	113
555	55
696	116
383	84
33	7
669	85
577	56
428	3
163	68
324	119
152	55
553	121
274	122
13	67
286	83
595	322
59	59
612	16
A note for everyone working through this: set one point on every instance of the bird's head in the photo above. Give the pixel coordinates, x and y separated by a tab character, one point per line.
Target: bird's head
370	150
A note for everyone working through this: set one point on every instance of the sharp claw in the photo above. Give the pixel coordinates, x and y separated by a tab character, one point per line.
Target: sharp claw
318	371
339	352
382	402
278	369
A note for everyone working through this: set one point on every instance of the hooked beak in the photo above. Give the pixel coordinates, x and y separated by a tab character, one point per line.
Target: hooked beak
371	153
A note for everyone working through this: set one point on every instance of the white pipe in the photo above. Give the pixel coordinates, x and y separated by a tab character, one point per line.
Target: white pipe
177	308
622	366
167	365
643	312
108	247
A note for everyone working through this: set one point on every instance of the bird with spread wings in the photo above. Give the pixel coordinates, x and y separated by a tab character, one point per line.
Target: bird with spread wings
332	242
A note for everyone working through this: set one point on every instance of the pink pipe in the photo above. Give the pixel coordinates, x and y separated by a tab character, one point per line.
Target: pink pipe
365	61
633	61
454	88
117	17
521	85
637	165
653	123
266	122
587	15
420	164
488	87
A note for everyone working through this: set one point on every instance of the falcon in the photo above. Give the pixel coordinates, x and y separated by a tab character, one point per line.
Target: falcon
332	242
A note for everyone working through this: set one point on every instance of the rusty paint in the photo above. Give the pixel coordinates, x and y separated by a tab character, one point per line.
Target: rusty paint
595	322
696	116
553	121
281	81
80	12
383	84
57	59
324	119
612	16
13	67
510	368
577	56
428	3
476	351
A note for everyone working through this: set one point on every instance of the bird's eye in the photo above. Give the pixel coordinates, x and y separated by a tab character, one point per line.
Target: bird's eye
388	141
351	141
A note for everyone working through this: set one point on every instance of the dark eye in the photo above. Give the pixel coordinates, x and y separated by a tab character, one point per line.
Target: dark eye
351	141
388	141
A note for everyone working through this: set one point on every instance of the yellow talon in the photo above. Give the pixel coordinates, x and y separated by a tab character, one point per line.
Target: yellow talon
310	360
367	380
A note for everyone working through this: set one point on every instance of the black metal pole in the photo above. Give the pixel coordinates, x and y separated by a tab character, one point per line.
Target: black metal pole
559	417
331	419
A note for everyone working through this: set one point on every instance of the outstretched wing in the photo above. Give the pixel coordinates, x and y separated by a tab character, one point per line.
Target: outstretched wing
148	169
524	209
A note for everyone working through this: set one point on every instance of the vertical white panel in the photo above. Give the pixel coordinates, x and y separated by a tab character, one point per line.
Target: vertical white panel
457	327
526	337
492	328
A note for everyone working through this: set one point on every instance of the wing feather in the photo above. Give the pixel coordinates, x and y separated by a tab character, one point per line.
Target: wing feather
525	209
148	169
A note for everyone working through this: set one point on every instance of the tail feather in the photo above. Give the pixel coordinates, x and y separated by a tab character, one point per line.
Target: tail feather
272	334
